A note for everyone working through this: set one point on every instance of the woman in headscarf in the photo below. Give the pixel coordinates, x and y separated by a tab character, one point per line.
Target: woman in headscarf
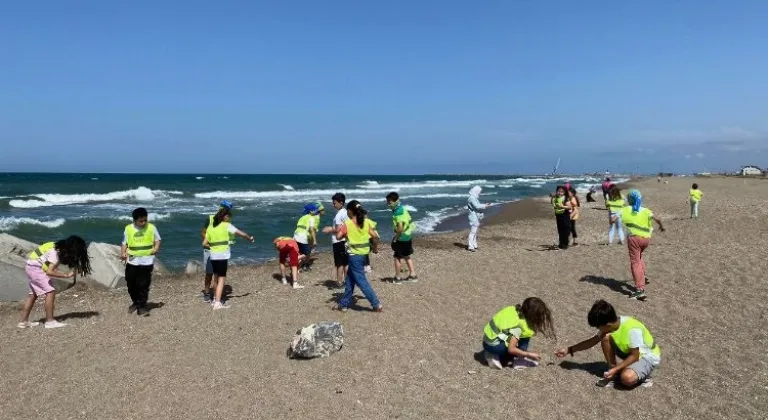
475	214
637	220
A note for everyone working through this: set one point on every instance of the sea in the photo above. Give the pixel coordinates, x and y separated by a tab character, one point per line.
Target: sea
41	207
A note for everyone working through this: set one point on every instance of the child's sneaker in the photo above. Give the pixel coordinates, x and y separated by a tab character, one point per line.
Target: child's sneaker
368	269
493	360
396	280
284	281
647	383
219	305
523	363
638	295
54	324
411	279
605	383
27	324
207	297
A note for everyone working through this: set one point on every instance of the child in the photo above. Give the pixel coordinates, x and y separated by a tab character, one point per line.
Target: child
573	200
624	337
563	220
695	195
305	234
288	251
217	238
141	241
509	332
402	242
615	204
41	266
207	291
340	256
637	220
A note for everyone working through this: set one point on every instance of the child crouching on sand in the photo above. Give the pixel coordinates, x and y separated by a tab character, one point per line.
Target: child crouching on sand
288	252
509	332
623	337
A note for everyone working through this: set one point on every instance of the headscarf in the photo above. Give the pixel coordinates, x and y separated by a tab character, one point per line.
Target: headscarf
310	208
475	191
635	199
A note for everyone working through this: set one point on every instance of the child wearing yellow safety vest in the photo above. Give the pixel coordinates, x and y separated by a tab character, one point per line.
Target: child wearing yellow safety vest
362	238
41	267
637	220
402	242
207	292
623	337
507	335
218	239
141	241
561	207
695	197
615	204
306	234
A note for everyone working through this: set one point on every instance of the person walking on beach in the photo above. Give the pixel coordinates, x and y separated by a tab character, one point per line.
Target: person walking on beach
402	242
623	337
207	291
41	267
476	210
218	238
306	234
695	197
141	242
606	189
573	213
340	256
561	207
362	238
508	334
637	220
615	204
288	254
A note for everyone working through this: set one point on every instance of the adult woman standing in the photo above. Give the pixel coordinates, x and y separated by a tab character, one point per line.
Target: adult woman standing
561	207
475	215
362	238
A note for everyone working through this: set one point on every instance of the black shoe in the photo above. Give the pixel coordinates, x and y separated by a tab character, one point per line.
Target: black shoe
132	309
142	312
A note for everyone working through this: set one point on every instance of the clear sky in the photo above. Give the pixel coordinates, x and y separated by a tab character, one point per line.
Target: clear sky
394	86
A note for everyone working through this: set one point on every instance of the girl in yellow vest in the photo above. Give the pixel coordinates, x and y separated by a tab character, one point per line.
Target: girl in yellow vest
637	220
508	334
362	238
695	197
41	266
217	238
561	207
615	203
141	241
623	337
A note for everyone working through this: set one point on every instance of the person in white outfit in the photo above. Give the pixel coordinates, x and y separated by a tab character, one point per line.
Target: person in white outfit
475	215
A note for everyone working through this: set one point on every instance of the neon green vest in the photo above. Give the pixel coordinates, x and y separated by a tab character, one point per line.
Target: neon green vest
140	241
695	195
615	206
620	337
638	224
40	251
218	237
358	240
503	322
558	201
408	225
302	227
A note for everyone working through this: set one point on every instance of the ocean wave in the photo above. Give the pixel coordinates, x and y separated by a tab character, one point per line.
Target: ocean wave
423	184
287	187
199	177
10	223
323	194
153	217
49	200
433	218
410	208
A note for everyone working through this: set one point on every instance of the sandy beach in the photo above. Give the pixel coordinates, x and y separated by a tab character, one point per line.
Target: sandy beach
419	358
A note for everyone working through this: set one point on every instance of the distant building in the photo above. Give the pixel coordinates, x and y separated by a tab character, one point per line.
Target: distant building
751	170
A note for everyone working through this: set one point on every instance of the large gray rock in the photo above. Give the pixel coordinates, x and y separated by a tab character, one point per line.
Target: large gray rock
107	268
14	284
317	340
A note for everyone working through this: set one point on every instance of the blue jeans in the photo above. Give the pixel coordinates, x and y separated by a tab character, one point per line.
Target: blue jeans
501	348
616	227
356	277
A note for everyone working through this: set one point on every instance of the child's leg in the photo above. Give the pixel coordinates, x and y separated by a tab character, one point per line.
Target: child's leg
398	267
295	276
636	262
50	301
636	372
220	280
29	303
282	270
523	343
611	232
143	282
620	227
411	268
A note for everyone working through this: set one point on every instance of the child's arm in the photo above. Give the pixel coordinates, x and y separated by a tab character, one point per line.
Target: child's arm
52	273
374	240
398	231
584	345
241	234
513	350
658	222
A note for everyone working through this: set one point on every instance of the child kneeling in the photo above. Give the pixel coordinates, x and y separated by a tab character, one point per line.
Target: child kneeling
509	332
288	251
623	337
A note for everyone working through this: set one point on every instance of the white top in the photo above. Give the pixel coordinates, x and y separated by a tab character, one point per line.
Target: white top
339	219
51	257
225	255
302	237
636	341
149	259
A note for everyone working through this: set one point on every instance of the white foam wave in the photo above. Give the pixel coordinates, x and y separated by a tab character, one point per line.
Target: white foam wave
410	208
286	194
433	218
287	187
10	223
49	200
424	184
153	217
94	179
199	177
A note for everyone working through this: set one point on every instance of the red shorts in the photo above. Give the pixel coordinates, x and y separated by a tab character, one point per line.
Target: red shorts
291	253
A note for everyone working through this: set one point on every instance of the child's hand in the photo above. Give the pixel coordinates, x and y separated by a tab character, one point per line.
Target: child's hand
123	256
327	230
610	373
534	356
70	275
252	239
561	353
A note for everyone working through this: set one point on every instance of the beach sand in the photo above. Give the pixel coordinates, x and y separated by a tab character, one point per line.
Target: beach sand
418	359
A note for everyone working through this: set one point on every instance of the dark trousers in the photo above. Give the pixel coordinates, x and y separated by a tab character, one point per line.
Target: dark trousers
138	278
563	229
573	230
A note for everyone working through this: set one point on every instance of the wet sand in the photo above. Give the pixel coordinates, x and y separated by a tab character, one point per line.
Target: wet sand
706	308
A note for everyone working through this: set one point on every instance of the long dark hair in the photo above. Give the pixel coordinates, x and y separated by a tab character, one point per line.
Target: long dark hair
220	215
573	192
614	193
73	253
358	212
537	315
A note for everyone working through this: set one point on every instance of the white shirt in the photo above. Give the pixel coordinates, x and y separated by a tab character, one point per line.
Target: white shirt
149	259
339	219
636	341
225	255
302	236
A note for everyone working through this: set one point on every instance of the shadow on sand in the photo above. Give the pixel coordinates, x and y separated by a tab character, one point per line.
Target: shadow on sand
613	284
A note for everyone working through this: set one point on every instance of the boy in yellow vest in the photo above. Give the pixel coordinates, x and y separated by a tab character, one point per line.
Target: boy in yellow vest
306	235
623	337
695	194
141	241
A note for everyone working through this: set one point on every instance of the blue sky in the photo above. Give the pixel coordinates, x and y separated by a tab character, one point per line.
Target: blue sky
382	87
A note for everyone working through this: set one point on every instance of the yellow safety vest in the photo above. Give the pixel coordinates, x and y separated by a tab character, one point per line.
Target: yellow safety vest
558	201
358	239
40	251
620	337
218	237
695	195
231	235
615	206
638	224
302	227
140	241
503	322
408	226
